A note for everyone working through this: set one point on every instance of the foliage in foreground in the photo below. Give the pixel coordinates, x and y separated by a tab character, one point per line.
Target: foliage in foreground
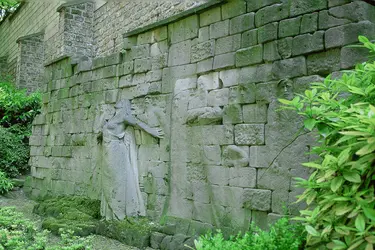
18	233
340	191
281	236
17	111
5	184
14	153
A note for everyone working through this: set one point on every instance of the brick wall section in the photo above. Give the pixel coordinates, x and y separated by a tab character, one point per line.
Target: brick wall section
211	81
130	15
30	62
77	31
33	17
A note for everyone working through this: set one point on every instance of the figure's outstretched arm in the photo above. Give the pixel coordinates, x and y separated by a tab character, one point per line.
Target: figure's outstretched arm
155	132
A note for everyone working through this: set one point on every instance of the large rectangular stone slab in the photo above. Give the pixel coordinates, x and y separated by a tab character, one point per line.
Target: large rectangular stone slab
249	134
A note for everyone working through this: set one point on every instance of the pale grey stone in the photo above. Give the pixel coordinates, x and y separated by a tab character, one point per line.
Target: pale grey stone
299	7
179	53
204	34
289	27
229	77
202	51
249	134
302	83
170	75
323	63
129	42
204	116
228	196
352	56
138	79
271	51
255	113
213	134
249	38
218	97
145	38
184	29
185	83
280	199
309	23
224	61
326	20
260	73
141	51
242	23
159	48
289	68
219	29
249	56
154	75
142	65
245	93
235	156
210	16
233	8
333	3
218	175
255	5
273	218
347	34
109	71
274	178
112	59
308	43
126	68
271	14
285	47
212	154
156	239
232	114
209	81
267	32
242	177
257	199
205	65
354	11
228	44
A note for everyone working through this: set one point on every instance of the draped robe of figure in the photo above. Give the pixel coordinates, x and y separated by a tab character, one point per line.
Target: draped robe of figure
121	195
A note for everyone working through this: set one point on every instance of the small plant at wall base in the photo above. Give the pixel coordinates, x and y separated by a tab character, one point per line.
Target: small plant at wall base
281	236
340	192
5	184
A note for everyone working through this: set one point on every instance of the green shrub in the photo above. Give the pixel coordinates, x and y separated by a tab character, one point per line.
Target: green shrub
17	111
340	191
281	236
14	153
5	184
16	107
18	233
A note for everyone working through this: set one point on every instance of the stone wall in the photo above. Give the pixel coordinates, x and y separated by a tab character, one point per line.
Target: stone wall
211	81
117	17
30	65
32	17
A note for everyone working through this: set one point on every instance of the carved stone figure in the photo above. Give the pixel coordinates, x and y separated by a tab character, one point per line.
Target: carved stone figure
121	195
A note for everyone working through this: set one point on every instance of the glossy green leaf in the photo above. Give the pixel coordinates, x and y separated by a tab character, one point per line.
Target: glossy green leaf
312	231
336	183
352	176
369	213
360	223
310	123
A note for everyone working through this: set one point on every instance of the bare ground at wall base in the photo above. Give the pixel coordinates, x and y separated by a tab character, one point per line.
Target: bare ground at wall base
24	205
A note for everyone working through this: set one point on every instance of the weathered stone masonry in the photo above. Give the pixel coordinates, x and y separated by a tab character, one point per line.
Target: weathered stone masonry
211	81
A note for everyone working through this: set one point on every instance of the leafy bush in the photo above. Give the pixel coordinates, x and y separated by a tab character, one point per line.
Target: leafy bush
18	233
14	153
340	191
16	107
17	111
281	236
5	184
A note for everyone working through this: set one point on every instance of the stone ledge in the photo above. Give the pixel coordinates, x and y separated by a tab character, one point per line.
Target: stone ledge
175	18
56	60
29	36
